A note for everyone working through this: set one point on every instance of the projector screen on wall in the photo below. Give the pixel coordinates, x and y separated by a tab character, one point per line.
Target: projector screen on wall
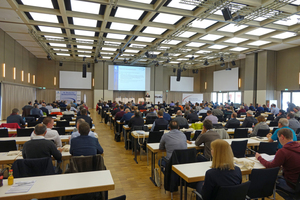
74	80
128	78
226	80
186	84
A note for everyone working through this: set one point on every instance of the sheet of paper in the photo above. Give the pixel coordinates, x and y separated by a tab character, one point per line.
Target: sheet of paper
267	157
20	187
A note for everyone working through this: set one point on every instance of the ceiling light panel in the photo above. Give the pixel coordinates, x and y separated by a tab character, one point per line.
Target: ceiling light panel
62	54
44	17
239	49
177	4
195	44
188	56
232	28
105	57
87	56
128	13
106	53
284	35
167	18
38	3
57	45
145	39
211	37
259	43
203	51
86	7
217	46
142	1
187	34
116	36
259	19
81	51
50	29
49	37
131	51
84	41
84	47
175	54
108	49
111	43
154	30
84	22
292	21
236	40
297	2
60	49
182	59
203	23
174	62
260	31
121	26
85	33
173	42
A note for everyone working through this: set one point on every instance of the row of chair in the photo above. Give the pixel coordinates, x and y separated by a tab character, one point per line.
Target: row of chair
25	132
58	123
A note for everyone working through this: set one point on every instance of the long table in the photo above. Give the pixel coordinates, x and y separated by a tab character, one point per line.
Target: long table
67	129
22	140
154	149
62	185
194	172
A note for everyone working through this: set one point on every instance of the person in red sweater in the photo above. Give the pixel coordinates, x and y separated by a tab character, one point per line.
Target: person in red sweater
288	157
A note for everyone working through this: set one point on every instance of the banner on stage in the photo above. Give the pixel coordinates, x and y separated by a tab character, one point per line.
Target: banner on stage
68	96
192	97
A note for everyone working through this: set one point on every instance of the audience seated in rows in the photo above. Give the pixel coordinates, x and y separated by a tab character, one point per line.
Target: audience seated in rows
127	116
260	125
166	115
15	117
39	147
83	115
76	133
241	110
211	117
44	109
68	110
297	111
218	111
233	122
136	120
160	121
120	114
51	135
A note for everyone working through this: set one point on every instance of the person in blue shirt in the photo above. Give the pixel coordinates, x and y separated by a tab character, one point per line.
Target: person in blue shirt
127	116
77	134
85	145
259	108
283	123
251	107
166	116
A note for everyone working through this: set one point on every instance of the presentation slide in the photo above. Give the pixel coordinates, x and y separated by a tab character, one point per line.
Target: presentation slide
128	78
186	84
74	80
226	80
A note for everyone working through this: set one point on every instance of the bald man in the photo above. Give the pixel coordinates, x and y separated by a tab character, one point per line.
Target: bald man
182	122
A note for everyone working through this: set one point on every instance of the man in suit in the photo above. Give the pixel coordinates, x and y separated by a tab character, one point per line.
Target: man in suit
280	115
85	145
15	117
233	121
160	121
137	120
182	122
250	120
192	117
83	115
39	147
26	109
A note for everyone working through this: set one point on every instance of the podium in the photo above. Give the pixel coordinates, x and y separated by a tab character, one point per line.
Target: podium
141	100
131	99
147	99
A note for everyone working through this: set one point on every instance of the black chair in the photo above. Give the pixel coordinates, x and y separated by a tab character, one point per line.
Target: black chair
262	183
274	129
239	148
24	132
29	119
263	132
188	135
8	145
68	115
62	123
60	130
239	115
197	133
287	194
236	192
4	132
221	118
35	116
203	116
267	147
123	197
194	121
66	118
183	126
33	124
218	126
155	136
51	115
297	131
160	127
150	120
273	124
233	126
270	117
41	119
240	133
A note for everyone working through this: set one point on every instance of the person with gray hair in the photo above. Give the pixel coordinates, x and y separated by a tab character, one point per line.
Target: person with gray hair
39	147
166	115
76	133
250	120
283	123
182	122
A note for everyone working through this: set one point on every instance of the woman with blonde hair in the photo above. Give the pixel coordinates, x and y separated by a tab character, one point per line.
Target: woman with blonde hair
223	172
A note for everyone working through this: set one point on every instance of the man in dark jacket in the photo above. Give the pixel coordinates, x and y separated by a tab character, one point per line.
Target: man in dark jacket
250	120
137	120
84	116
192	117
160	121
233	122
287	157
15	117
280	115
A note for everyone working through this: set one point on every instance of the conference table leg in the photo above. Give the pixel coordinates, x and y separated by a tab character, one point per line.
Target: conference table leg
135	150
180	188
125	138
185	190
152	167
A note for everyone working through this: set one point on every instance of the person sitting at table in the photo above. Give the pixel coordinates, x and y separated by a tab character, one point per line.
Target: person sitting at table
115	110
293	123
174	139
55	109
297	111
172	104
287	157
151	113
206	137
246	107
44	109
182	122
223	172
36	111
249	120
218	111
120	114
280	115
233	121
260	125
259	108
251	107
83	115
127	116
160	121
140	106
39	147
85	145
14	117
242	110
202	110
76	133
51	135
266	109
192	117
136	120
166	115
68	110
211	117
274	110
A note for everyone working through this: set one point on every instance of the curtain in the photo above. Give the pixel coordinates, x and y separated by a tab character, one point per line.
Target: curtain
15	96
